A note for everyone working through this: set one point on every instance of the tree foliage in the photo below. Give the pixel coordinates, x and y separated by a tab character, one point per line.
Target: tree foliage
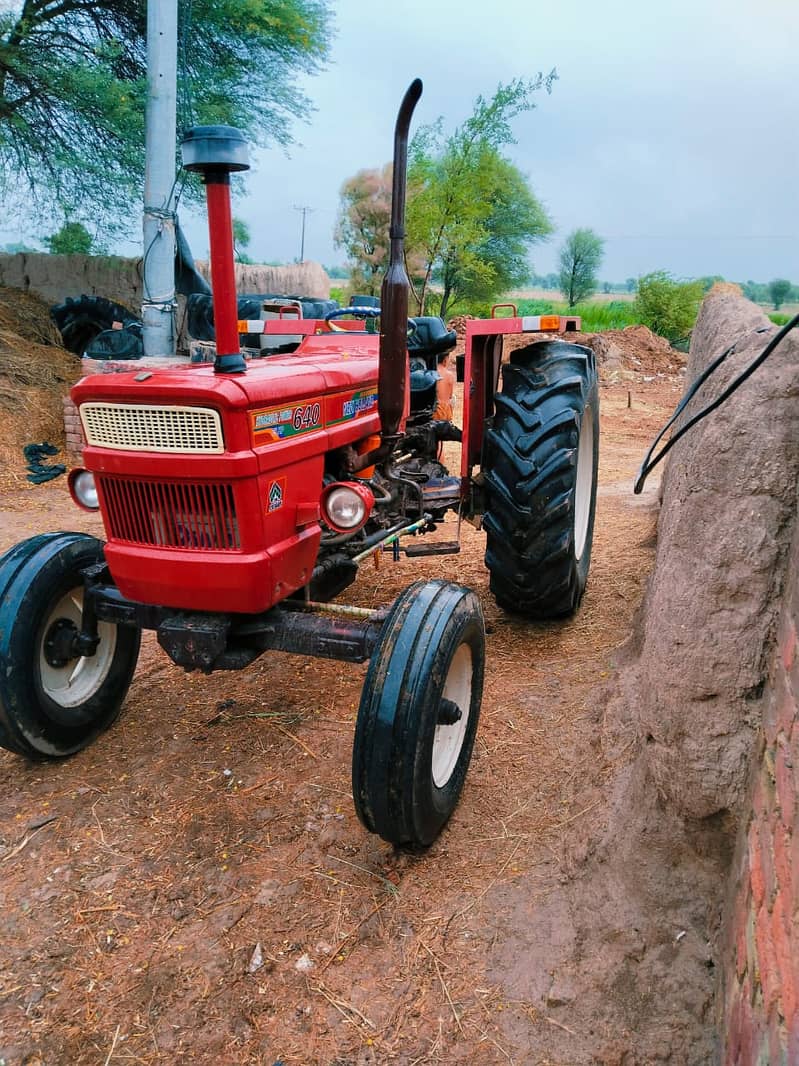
241	240
362	227
579	260
667	306
73	89
471	216
779	290
72	239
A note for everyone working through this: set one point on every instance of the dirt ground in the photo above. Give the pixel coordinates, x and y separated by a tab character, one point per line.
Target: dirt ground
196	886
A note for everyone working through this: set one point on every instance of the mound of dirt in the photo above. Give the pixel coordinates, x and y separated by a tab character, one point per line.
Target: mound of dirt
634	353
35	373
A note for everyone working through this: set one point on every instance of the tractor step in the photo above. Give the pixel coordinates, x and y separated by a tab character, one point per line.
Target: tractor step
443	547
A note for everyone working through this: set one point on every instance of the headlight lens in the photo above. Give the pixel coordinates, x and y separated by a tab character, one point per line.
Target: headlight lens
346	507
83	490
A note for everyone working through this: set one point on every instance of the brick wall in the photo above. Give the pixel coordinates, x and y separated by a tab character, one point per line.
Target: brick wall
73	429
759	1001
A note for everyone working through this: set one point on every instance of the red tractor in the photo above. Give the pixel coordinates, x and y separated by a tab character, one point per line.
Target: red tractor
239	498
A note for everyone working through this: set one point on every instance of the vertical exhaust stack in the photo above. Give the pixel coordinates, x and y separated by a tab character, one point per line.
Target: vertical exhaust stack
393	367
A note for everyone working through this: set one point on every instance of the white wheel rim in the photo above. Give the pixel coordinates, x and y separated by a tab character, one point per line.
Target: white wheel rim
79	679
448	739
584	482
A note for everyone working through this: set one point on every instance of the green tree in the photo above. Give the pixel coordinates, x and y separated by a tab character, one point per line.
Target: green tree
470	214
667	306
362	227
72	239
72	89
779	290
241	240
579	260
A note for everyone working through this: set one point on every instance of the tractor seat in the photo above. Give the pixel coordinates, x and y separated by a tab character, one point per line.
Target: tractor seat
431	337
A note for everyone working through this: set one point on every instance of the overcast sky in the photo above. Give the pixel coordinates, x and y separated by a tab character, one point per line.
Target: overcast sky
672	130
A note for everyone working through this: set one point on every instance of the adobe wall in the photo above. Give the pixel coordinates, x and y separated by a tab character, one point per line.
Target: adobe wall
759	1002
55	277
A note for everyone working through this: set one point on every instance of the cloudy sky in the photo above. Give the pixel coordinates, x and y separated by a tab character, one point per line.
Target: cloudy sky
671	130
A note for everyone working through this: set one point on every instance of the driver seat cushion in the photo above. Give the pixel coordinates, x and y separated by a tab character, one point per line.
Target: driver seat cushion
431	337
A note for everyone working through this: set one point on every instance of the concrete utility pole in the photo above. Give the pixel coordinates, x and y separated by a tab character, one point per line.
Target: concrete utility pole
158	306
305	211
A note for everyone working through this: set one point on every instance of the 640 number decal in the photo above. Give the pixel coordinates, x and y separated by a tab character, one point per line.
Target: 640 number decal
307	417
278	423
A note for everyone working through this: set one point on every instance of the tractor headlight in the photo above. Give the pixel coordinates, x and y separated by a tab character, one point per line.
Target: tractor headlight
346	506
83	490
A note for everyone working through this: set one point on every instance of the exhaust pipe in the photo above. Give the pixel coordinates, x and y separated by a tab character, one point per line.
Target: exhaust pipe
393	365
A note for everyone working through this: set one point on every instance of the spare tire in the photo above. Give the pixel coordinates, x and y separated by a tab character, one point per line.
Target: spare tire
80	319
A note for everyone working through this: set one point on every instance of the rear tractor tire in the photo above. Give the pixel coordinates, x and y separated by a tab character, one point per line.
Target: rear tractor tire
54	702
418	714
541	475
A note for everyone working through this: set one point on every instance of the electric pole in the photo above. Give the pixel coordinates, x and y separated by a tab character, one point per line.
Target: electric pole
304	211
158	303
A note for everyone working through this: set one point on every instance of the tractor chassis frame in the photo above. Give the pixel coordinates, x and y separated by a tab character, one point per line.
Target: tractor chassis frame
208	641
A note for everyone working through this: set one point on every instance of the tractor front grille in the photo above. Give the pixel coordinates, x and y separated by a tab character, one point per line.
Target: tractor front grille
152	428
194	516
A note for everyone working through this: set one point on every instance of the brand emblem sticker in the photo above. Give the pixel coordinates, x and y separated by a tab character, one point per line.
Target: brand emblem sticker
277	491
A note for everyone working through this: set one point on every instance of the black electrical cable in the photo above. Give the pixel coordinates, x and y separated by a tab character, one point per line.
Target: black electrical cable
649	463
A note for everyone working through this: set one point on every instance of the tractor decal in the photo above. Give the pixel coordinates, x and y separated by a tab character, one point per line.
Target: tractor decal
280	423
346	405
277	493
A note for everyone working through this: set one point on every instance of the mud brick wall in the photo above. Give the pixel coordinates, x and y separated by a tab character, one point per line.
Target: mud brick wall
759	1004
75	439
55	277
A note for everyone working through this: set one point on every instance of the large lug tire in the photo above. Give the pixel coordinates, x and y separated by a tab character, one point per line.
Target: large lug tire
540	472
53	703
418	713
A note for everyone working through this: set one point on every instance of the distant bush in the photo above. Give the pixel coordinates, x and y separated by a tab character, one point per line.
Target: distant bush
667	306
596	317
779	319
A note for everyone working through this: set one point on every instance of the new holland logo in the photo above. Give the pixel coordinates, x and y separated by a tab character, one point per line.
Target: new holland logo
276	490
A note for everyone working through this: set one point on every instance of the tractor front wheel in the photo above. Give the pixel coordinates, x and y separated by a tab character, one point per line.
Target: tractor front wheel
418	714
540	472
53	700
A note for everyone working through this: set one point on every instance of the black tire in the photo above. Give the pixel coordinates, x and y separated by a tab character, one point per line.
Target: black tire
81	319
40	596
540	472
408	767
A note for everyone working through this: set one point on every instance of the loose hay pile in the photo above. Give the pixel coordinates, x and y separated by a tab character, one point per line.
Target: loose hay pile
35	373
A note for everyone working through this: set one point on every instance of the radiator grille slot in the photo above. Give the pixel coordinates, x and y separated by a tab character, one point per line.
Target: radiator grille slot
194	516
152	428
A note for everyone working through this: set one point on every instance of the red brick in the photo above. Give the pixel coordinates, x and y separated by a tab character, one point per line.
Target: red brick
783	863
756	876
786	786
767	960
793	1041
770	725
777	1043
786	963
788	643
786	704
767	860
741	915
